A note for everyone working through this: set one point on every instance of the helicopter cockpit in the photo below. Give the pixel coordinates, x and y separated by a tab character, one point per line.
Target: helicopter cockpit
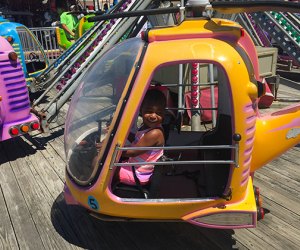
93	108
200	148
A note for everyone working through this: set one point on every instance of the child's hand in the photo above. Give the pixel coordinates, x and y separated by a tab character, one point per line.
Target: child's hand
106	129
98	146
82	143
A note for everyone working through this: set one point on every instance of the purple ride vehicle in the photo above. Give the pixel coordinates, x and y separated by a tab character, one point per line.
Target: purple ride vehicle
15	116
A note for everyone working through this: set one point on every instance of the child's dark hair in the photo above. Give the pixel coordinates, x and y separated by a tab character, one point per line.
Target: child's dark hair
154	97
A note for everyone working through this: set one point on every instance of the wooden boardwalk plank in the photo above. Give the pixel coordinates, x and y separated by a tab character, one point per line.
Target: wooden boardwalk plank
7	235
35	196
25	228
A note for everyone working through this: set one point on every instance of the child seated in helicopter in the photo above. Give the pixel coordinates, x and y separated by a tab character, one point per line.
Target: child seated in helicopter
150	134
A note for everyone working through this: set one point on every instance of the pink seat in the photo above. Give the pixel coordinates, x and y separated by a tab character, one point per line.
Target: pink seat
205	102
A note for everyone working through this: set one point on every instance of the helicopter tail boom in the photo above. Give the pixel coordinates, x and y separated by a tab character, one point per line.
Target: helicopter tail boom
277	132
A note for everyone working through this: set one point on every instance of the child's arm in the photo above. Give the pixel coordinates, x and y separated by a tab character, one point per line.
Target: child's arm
154	137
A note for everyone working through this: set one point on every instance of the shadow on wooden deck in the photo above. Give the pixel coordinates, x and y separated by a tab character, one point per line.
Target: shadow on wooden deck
16	154
38	143
41	142
78	228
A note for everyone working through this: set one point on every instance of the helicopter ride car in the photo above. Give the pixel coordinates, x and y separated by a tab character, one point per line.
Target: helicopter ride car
215	137
30	52
15	116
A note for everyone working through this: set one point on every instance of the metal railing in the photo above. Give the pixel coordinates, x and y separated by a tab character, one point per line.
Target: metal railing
234	161
47	38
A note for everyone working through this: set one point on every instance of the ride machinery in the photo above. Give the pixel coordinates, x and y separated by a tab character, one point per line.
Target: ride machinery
82	27
65	73
215	136
30	52
280	29
15	116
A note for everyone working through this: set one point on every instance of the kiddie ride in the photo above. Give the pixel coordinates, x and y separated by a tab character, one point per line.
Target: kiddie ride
15	116
30	52
208	70
82	26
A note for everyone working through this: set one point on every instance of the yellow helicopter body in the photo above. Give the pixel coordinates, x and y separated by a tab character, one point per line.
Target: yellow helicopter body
254	139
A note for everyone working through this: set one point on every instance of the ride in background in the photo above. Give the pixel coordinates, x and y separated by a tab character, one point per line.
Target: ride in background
29	50
64	74
274	32
15	116
82	26
83	14
274	29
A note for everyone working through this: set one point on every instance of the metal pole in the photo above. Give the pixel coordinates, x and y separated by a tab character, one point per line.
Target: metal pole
212	93
180	73
95	5
195	97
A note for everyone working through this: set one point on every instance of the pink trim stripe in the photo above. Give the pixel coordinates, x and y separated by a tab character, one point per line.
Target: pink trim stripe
250	130
250	141
245	181
248	108
247	161
159	37
248	151
251	119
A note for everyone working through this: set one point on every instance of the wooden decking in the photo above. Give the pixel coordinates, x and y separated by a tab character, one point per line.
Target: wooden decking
33	213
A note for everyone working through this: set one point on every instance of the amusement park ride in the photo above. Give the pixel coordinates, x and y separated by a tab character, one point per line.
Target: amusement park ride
82	27
15	116
30	52
207	177
215	137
